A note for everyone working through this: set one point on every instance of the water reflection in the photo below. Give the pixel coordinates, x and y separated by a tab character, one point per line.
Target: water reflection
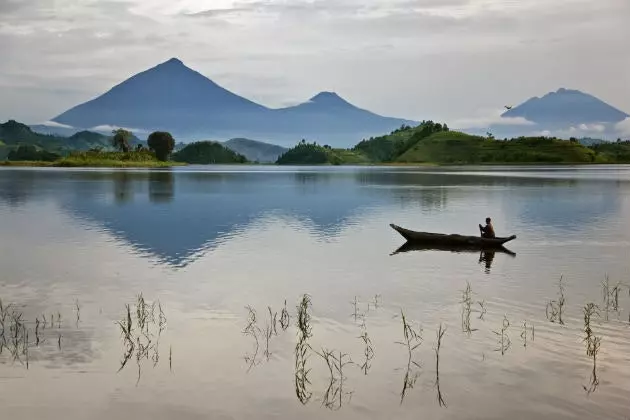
486	256
161	186
203	209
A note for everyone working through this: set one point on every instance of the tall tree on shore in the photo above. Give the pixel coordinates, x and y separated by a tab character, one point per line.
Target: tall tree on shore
162	143
121	139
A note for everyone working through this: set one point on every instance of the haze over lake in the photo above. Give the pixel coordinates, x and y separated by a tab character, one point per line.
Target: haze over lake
77	246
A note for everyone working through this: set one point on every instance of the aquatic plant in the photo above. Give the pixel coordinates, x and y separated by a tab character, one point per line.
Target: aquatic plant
504	341
440	334
593	343
554	309
610	296
368	352
285	319
524	333
412	340
302	349
334	394
141	334
252	330
466	309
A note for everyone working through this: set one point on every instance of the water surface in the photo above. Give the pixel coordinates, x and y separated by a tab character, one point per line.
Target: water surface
77	246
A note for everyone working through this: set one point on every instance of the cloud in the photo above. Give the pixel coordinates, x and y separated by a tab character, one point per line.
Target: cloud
110	128
416	59
55	124
624	127
490	118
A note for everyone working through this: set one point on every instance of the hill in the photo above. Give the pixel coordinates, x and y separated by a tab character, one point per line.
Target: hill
207	152
388	147
459	148
314	154
172	97
14	134
255	151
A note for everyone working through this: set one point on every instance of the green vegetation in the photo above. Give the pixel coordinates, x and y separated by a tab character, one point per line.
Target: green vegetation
162	144
120	139
98	158
314	154
14	134
618	152
31	153
427	143
460	148
207	152
387	148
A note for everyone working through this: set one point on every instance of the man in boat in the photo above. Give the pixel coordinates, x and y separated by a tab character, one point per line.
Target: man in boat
487	231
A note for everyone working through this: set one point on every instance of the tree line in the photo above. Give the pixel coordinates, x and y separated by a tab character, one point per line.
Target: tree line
161	143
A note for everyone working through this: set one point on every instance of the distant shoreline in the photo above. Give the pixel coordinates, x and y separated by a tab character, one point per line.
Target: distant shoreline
98	164
149	164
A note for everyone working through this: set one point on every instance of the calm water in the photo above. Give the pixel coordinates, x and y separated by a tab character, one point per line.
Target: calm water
77	246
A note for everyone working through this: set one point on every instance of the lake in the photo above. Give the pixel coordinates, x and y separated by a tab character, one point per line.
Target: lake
238	292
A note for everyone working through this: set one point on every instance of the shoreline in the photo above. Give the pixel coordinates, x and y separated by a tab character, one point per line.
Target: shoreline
170	164
99	164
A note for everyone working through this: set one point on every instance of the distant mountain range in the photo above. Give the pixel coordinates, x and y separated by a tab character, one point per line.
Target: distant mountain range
564	113
175	98
565	108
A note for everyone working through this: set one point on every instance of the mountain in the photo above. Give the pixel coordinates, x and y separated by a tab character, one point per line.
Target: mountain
564	113
255	151
175	98
565	108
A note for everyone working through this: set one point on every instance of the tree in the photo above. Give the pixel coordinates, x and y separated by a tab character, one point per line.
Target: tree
121	139
162	143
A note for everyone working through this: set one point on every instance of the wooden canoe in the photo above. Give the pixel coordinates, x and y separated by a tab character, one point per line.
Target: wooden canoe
450	240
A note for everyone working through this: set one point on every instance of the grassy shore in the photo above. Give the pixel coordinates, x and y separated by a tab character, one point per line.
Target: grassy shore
100	159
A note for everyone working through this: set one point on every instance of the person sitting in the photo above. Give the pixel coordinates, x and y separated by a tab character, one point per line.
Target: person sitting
487	231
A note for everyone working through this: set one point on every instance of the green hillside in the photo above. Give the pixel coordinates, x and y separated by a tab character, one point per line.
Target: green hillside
314	154
207	152
13	134
388	147
460	148
618	152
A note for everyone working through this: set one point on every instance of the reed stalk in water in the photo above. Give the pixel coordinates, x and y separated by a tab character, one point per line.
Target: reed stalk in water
440	334
302	348
555	308
503	338
593	343
412	340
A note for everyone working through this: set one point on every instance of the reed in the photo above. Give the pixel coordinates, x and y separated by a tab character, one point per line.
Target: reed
555	308
336	362
466	308
412	340
593	343
252	330
302	349
503	338
285	319
368	352
140	332
440	335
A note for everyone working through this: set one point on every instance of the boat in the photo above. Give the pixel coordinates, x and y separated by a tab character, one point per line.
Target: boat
458	249
450	240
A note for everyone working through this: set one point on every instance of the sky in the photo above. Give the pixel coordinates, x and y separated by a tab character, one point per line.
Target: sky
458	61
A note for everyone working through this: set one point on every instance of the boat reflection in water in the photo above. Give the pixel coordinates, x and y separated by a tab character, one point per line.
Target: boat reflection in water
486	255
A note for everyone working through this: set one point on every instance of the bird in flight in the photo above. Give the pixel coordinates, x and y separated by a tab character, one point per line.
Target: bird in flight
508	107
